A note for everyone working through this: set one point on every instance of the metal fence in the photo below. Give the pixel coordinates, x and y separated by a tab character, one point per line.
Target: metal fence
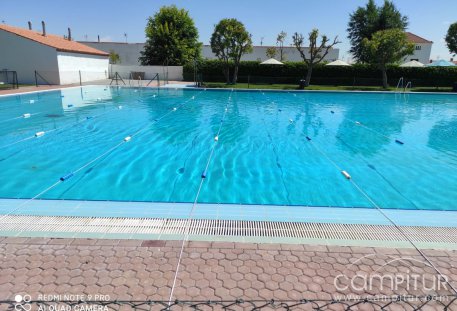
352	81
81	77
8	79
374	303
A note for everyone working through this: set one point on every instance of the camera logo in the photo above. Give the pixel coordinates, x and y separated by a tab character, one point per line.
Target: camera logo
22	302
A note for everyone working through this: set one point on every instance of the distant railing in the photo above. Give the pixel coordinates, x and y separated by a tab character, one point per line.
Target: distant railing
8	79
39	76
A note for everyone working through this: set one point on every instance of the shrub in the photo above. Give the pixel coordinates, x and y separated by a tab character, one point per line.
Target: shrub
292	72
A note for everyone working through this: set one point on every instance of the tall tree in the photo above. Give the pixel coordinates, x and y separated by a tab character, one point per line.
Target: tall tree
114	58
280	39
316	52
171	38
451	38
365	21
386	47
229	41
270	52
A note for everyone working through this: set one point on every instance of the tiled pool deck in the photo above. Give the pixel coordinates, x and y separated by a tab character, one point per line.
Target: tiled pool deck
338	215
144	269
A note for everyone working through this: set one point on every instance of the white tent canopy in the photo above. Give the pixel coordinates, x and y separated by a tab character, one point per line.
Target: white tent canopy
338	63
413	63
271	61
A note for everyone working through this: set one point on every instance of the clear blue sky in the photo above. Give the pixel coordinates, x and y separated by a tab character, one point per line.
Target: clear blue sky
111	19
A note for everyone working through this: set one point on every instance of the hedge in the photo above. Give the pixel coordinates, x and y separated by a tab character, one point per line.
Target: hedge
292	72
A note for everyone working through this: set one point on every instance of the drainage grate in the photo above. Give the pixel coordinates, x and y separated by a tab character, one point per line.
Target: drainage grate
106	227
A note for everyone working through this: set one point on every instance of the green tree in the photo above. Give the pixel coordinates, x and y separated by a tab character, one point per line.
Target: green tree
451	38
229	41
114	57
172	38
366	21
316	52
280	43
387	47
271	52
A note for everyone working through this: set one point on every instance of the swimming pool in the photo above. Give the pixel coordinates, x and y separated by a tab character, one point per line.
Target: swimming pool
275	148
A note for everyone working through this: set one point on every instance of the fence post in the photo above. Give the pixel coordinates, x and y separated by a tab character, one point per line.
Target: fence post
249	79
36	80
80	82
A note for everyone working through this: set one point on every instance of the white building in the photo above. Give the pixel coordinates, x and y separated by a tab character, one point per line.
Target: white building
56	60
422	49
130	52
259	53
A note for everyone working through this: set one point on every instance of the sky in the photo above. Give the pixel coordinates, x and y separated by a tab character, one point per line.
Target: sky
264	19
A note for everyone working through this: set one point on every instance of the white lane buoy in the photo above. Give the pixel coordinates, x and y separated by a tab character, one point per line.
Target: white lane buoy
291	121
193	97
99	99
216	138
127	138
38	134
26	115
119	107
154	95
346	174
135	91
358	123
174	108
32	101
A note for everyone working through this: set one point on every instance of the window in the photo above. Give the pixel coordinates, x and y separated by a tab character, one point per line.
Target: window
418	47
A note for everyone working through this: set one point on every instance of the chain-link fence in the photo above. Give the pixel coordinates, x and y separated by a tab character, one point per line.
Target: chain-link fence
373	303
252	81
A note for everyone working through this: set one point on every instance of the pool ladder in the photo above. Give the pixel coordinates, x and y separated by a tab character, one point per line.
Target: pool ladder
401	84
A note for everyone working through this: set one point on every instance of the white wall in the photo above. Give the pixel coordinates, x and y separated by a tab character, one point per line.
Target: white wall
92	67
175	73
259	54
421	53
128	52
25	56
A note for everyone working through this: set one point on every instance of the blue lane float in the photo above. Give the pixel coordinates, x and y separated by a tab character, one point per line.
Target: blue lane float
204	174
66	177
399	142
307	138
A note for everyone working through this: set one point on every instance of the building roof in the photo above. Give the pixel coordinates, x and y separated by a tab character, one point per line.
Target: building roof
57	42
416	39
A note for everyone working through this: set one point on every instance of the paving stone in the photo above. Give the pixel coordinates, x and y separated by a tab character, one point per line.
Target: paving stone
127	269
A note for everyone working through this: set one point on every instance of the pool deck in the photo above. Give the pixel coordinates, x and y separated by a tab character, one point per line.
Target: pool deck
144	269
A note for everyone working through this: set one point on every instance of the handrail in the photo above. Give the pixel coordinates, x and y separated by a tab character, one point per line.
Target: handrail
36	79
117	77
401	80
406	87
153	78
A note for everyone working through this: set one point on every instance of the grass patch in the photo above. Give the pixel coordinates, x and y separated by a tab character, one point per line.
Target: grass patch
318	87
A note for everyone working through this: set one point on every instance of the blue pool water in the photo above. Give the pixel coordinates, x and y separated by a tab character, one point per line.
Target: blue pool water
262	156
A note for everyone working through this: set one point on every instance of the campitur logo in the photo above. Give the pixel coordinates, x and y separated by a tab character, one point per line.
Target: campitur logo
404	274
